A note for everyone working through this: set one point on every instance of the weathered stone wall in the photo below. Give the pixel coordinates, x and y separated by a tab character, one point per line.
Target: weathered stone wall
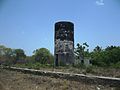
64	43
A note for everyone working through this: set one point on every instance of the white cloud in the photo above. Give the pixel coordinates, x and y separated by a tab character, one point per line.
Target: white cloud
100	2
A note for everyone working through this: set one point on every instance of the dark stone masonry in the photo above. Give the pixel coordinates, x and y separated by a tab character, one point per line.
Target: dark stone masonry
64	43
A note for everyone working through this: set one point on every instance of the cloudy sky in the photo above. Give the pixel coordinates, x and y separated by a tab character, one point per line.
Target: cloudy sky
29	24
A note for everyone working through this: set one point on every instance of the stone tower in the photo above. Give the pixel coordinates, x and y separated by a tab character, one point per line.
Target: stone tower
64	43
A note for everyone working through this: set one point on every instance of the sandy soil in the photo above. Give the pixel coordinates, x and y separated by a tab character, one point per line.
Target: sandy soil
12	80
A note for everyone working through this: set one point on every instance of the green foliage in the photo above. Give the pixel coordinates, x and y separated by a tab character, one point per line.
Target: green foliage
43	56
4	51
81	51
35	65
6	55
79	65
110	56
117	65
89	69
97	49
19	54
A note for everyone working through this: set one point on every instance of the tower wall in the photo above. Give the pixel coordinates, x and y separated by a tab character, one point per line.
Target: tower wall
64	43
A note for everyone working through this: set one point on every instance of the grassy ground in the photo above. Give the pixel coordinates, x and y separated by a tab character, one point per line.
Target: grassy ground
12	80
92	70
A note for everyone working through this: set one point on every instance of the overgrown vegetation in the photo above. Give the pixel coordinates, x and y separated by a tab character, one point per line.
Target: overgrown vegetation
108	57
40	57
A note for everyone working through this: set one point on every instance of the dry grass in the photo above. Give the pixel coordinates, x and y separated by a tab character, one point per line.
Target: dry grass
12	80
99	71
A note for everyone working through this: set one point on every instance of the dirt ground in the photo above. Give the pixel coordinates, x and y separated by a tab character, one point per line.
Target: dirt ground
12	80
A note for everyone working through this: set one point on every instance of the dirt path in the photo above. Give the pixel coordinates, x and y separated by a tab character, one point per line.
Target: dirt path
12	80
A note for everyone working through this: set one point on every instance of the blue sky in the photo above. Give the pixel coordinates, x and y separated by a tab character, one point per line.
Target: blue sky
29	24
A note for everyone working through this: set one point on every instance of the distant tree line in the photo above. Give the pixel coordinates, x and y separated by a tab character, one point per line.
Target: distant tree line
9	56
107	57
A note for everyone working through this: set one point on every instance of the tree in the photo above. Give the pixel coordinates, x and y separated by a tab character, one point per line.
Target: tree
113	54
106	57
110	48
43	56
19	54
2	48
2	58
81	51
6	55
97	49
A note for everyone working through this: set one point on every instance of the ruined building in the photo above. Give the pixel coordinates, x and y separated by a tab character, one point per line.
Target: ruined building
64	43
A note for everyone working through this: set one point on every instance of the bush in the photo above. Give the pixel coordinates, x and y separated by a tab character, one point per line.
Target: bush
117	65
89	69
79	65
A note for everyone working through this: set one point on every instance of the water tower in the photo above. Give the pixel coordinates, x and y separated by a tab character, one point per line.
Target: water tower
64	43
